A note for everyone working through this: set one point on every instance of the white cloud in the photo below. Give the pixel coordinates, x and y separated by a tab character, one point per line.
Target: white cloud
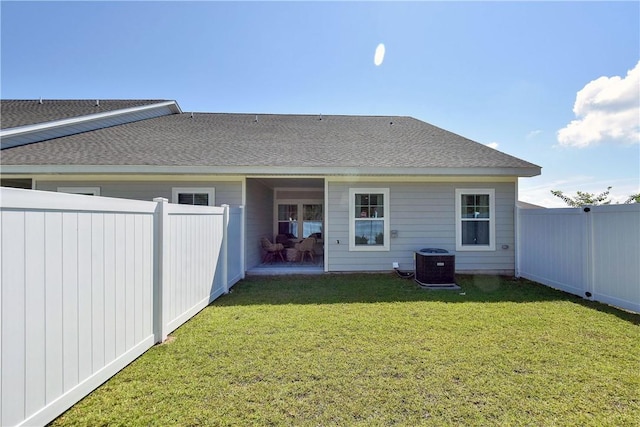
493	145
607	109
378	57
534	133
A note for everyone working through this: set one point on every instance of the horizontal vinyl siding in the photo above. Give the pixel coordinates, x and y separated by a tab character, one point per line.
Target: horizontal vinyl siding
424	216
259	220
227	192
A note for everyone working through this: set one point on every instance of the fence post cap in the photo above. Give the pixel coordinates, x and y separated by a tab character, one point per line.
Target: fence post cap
160	200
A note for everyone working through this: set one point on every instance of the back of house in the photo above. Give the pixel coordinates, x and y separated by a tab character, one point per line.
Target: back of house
372	190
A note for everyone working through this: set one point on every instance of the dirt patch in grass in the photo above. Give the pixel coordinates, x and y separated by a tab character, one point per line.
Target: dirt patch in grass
169	340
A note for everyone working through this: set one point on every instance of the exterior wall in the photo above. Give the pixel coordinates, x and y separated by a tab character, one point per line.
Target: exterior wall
259	220
423	213
227	192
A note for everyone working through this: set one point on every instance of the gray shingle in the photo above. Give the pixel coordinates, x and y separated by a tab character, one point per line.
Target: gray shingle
215	139
14	112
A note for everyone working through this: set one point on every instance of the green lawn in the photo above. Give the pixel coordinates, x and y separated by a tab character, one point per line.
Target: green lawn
369	350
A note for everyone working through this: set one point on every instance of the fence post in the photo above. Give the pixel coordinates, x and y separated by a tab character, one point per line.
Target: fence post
160	255
242	254
517	241
225	249
587	223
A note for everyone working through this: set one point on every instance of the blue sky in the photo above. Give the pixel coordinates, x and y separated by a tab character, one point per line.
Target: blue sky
554	83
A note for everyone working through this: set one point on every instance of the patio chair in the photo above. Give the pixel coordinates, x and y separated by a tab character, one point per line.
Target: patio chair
306	247
272	250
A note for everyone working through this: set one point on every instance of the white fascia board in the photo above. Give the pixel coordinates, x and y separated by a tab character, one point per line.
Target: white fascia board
417	178
23	130
243	178
264	170
130	177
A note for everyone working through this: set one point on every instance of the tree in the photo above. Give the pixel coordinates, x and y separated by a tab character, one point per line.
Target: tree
583	198
634	198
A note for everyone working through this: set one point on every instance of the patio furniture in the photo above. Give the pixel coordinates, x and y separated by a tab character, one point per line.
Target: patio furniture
306	247
287	240
292	254
272	250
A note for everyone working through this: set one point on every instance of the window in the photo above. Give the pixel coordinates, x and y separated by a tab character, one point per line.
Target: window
311	219
87	191
193	196
289	220
475	219
369	219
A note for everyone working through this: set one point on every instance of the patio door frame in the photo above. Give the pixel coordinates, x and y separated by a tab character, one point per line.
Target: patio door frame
300	202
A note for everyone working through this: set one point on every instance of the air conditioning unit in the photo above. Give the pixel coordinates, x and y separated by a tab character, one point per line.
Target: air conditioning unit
435	268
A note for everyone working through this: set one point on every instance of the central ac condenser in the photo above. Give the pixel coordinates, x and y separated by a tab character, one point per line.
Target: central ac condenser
435	267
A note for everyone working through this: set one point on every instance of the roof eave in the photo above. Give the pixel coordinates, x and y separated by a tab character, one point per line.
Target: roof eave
268	170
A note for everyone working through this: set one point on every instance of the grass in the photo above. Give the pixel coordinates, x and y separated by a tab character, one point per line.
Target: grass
371	350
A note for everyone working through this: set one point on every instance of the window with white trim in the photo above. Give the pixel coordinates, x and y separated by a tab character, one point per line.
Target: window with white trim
87	191
475	219
369	219
193	196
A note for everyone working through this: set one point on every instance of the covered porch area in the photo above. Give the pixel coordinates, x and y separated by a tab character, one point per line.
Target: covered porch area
287	213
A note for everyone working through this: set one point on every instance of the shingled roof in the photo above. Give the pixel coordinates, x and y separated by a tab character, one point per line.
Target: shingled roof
246	141
17	112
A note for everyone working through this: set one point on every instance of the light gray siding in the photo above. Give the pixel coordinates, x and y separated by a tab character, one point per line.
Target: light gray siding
424	216
259	220
227	192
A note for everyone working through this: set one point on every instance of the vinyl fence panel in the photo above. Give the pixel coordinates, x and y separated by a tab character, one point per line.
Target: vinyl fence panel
235	247
54	322
552	248
193	247
88	284
592	252
615	232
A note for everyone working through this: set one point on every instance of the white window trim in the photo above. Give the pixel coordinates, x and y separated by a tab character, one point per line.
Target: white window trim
93	191
492	219
352	220
211	192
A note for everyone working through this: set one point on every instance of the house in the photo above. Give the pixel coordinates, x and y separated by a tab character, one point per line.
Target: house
524	205
374	188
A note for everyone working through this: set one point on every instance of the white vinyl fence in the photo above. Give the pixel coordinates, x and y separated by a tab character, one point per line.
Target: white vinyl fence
593	252
88	284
